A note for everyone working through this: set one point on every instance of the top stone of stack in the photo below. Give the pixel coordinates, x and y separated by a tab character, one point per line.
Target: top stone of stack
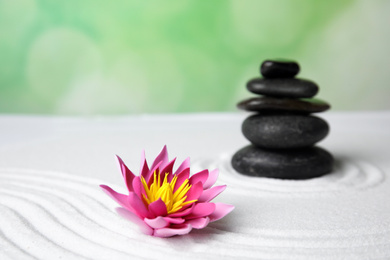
279	69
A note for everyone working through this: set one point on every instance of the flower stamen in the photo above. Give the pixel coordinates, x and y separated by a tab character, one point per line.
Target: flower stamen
174	201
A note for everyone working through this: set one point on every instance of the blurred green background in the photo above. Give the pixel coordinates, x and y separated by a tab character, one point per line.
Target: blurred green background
153	56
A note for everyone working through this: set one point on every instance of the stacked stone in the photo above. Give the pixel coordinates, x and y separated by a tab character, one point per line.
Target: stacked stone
283	131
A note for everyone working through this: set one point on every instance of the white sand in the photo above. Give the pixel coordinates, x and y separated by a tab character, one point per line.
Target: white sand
51	206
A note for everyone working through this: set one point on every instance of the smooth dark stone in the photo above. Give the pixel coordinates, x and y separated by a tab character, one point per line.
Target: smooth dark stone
303	105
293	88
279	69
284	131
302	163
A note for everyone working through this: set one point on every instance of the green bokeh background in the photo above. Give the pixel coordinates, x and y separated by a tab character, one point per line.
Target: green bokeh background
153	56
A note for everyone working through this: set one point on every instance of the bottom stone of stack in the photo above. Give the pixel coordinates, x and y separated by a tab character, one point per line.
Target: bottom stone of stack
303	163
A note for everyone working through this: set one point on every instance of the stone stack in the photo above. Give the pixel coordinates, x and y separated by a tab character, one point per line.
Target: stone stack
283	131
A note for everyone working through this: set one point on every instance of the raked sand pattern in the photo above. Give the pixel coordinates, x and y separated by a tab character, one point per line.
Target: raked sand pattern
52	215
347	176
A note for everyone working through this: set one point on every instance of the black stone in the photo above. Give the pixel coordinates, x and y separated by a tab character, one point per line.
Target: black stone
279	69
284	104
302	163
284	131
293	88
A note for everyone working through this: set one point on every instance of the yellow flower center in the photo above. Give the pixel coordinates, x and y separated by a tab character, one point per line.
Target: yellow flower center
173	200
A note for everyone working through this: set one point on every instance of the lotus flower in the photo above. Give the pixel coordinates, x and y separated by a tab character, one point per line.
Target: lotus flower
165	204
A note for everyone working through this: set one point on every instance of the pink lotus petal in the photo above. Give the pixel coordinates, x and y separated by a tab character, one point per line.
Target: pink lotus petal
183	212
187	206
174	220
158	222
158	208
195	191
213	176
149	175
161	158
220	211
199	177
169	232
137	204
168	169
210	194
135	219
184	175
202	210
144	165
137	186
121	199
198	223
184	165
128	176
162	222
